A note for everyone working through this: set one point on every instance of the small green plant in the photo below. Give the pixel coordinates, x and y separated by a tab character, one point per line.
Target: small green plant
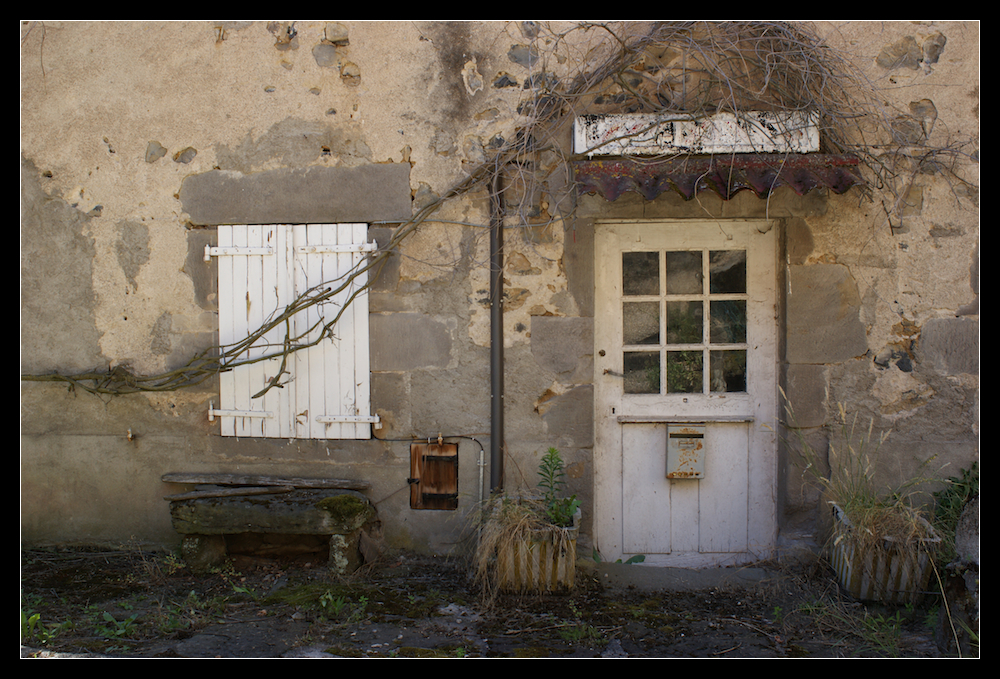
171	564
577	633
559	510
579	630
875	631
951	500
170	619
117	629
34	631
227	571
358	613
245	591
332	605
29	626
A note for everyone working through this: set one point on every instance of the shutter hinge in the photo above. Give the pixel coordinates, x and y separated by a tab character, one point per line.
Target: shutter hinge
213	413
318	249
350	419
223	252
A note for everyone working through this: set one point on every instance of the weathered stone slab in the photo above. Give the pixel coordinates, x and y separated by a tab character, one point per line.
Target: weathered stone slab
302	512
951	345
202	552
564	345
569	417
824	323
341	514
311	195
805	390
408	342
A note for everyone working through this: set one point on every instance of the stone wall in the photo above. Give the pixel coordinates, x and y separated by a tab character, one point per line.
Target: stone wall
138	138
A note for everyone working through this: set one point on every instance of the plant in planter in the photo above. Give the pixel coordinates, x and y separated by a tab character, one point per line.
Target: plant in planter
882	545
526	542
560	510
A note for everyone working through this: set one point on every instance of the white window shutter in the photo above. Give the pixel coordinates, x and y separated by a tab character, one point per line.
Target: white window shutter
325	390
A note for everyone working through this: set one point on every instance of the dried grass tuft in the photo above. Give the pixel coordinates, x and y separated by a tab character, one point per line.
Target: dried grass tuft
880	514
504	524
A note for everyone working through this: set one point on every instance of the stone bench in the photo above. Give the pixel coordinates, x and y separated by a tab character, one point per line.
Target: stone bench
212	516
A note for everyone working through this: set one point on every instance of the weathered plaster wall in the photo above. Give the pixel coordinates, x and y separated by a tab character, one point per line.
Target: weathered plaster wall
883	314
131	133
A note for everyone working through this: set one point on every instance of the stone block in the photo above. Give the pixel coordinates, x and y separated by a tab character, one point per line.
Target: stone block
452	400
311	195
950	345
391	403
401	342
805	391
564	345
301	512
824	323
206	522
202	552
569	418
58	327
385	277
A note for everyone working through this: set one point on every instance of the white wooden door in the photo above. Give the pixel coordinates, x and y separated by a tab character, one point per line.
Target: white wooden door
685	346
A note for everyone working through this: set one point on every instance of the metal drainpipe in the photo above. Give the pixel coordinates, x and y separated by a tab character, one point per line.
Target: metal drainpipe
497	444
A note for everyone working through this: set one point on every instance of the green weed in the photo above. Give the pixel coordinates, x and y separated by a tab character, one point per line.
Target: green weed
33	631
878	632
112	628
949	504
559	510
246	591
332	605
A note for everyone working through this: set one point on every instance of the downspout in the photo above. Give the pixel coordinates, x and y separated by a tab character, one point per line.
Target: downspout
497	444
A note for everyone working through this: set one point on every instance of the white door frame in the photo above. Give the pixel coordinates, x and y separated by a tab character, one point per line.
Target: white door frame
756	410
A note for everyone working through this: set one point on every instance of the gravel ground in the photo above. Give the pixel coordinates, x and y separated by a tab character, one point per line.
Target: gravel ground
141	605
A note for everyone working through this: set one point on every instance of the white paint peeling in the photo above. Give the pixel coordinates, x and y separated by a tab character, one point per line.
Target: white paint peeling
652	134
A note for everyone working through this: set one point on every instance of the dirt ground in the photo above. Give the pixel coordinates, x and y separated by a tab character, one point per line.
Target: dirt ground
136	604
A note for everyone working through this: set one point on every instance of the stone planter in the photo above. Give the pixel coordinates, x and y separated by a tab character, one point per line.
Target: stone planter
544	562
887	572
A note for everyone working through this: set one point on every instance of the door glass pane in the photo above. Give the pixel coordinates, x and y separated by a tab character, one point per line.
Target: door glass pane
641	273
684	373
728	272
684	321
684	273
642	372
729	321
641	321
680	320
729	370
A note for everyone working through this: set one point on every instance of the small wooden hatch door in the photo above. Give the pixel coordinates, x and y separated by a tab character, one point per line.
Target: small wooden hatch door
433	476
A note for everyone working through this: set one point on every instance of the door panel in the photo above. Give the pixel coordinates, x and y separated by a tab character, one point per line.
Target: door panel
685	332
663	515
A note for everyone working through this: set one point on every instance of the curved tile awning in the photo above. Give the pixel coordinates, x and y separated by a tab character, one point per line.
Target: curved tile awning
726	175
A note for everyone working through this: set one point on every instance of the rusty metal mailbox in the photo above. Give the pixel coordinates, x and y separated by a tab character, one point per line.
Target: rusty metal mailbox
685	451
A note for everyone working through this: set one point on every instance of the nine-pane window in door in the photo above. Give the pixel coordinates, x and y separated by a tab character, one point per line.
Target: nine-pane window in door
684	321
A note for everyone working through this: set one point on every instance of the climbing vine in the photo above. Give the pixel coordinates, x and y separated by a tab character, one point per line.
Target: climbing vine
697	69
